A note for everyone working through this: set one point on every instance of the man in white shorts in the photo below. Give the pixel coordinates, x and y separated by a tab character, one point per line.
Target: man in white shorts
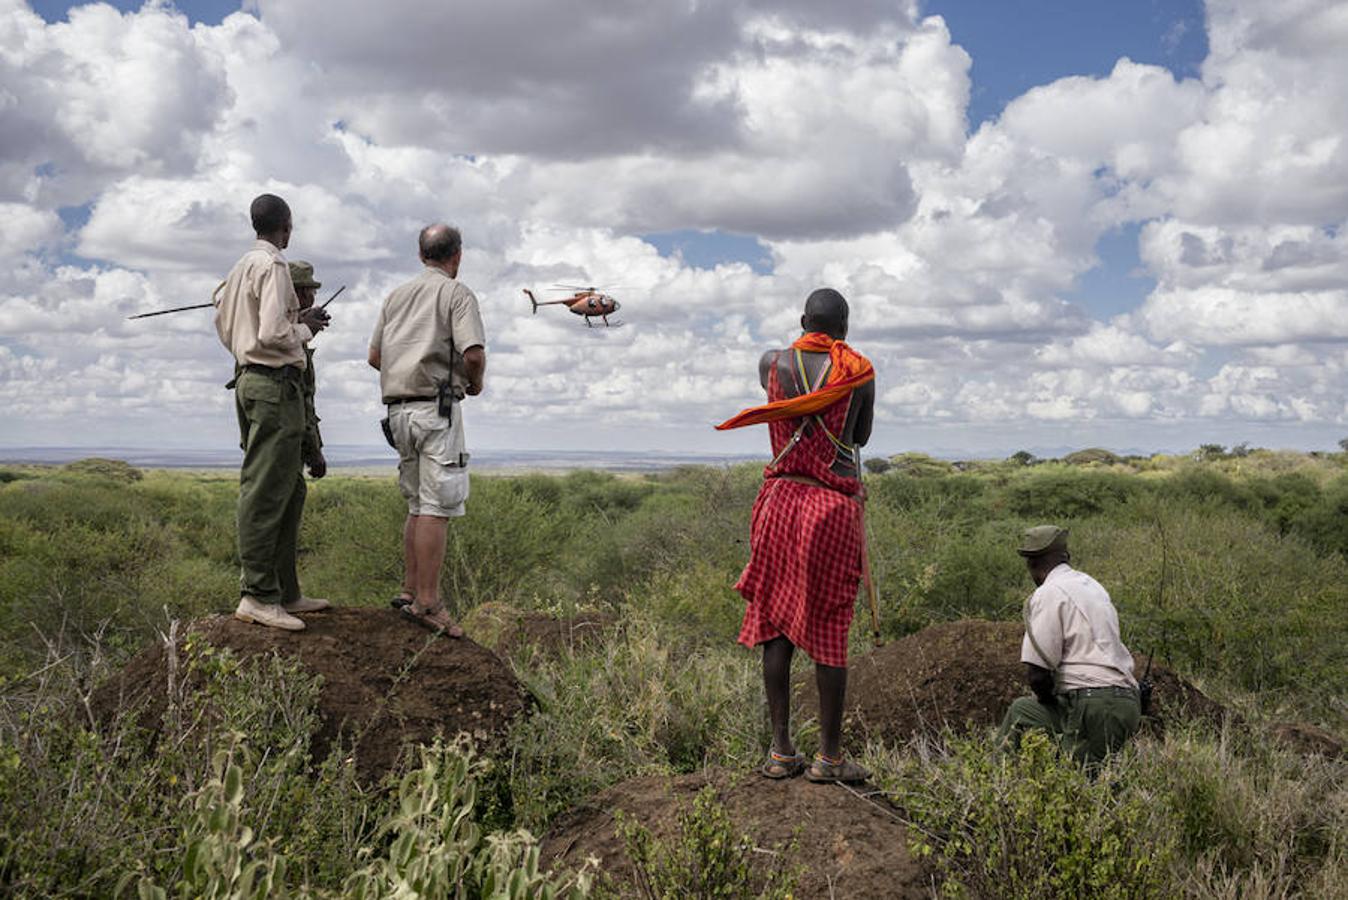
429	348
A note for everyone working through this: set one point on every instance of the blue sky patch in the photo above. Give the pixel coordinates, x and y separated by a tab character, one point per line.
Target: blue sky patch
708	249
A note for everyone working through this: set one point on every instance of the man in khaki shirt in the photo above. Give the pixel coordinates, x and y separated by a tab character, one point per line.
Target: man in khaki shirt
259	320
1075	661
429	343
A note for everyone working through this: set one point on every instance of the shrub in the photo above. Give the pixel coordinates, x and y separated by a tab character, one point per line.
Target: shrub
641	704
1029	823
707	857
1055	493
111	469
1097	456
437	850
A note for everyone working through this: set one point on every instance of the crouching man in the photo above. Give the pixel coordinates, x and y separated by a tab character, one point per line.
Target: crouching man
1075	662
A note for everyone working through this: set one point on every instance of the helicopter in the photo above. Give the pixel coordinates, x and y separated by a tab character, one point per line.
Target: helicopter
584	301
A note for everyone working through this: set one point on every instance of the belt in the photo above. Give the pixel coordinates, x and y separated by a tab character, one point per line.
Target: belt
273	372
1103	692
398	400
813	482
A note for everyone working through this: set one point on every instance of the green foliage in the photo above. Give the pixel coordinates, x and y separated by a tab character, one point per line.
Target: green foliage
437	850
1233	569
221	859
878	465
707	858
111	469
1092	456
920	465
1251	813
1053	493
1030	823
639	705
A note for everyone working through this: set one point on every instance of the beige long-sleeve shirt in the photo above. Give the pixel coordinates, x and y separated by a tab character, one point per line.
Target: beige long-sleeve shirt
257	313
1071	627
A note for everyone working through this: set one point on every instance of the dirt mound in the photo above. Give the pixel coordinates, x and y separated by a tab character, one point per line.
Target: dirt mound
848	846
961	674
510	631
1308	740
384	679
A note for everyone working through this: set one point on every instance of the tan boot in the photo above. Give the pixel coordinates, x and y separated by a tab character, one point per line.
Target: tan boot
306	604
269	614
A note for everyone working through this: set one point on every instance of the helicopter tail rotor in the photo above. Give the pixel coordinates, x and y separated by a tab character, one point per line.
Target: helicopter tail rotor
530	294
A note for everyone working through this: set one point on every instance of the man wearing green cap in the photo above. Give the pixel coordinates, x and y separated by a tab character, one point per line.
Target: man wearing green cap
1075	662
302	276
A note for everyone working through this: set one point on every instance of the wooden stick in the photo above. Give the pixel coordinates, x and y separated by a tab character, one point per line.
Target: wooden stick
868	578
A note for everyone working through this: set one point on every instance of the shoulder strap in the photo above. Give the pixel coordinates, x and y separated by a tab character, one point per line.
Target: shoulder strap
1029	633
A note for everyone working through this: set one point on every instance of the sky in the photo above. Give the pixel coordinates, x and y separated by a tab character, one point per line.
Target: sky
1059	225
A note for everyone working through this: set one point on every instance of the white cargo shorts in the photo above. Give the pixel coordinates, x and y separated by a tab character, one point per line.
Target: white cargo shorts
431	459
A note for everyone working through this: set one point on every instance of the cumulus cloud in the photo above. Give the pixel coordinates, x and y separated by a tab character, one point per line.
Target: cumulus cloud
100	95
556	133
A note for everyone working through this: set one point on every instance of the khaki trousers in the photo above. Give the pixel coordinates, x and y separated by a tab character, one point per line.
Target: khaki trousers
271	483
1090	723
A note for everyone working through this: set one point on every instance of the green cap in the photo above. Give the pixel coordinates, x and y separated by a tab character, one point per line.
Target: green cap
1041	539
302	274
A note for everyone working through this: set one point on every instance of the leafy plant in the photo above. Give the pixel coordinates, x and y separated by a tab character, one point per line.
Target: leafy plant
708	857
1030	823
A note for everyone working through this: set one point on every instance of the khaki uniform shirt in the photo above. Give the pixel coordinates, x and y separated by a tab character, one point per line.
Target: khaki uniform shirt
257	313
424	327
1071	628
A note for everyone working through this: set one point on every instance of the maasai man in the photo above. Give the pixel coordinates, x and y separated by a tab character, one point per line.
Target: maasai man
806	531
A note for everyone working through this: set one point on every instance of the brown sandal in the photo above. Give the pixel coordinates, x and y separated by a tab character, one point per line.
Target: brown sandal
779	766
827	771
435	619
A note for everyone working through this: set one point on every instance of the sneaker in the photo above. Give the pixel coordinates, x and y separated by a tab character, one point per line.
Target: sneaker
270	614
306	604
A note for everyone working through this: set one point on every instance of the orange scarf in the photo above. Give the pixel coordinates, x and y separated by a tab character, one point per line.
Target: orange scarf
850	370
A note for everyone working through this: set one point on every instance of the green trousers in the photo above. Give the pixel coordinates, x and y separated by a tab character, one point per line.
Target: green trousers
1090	723
271	484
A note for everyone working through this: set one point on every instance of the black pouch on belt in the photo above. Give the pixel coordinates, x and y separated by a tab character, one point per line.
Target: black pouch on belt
388	432
447	395
445	401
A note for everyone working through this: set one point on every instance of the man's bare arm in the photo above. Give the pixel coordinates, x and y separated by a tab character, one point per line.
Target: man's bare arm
765	367
475	367
861	431
373	359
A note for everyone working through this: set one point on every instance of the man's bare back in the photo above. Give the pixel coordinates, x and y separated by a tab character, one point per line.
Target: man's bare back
860	415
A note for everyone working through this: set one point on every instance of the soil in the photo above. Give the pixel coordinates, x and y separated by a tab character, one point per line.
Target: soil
848	846
962	676
385	679
513	632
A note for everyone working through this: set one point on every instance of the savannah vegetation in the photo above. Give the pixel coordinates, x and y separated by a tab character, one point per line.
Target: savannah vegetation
1231	564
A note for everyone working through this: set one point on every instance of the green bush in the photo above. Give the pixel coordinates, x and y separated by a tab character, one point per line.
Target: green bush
708	857
1053	493
641	704
1029	823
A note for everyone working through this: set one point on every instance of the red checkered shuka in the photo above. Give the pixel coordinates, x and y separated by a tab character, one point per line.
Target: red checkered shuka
805	544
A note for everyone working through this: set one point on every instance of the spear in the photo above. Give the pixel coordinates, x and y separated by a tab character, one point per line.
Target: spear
165	312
